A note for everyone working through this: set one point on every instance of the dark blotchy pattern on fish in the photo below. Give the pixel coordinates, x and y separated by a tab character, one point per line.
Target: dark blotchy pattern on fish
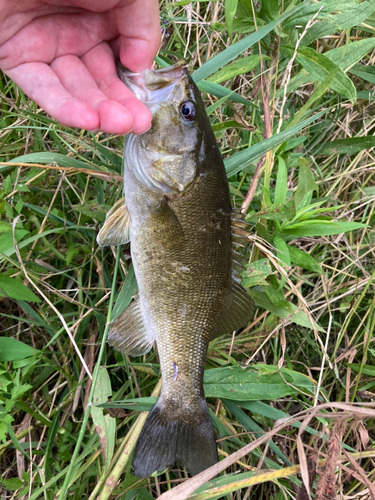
178	200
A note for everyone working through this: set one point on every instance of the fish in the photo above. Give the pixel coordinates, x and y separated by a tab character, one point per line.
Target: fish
177	216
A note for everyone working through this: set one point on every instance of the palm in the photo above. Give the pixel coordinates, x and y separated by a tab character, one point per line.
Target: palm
63	57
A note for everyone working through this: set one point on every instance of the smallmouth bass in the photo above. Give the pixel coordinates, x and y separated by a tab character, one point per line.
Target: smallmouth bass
177	215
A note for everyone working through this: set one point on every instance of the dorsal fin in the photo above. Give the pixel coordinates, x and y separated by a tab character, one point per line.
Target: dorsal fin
240	240
238	260
238	309
238	306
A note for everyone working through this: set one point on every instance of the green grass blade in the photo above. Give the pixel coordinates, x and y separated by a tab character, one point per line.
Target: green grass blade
227	55
352	14
230	10
239	161
321	68
239	67
347	146
55	159
221	92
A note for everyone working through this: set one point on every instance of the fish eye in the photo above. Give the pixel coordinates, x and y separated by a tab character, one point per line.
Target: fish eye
187	110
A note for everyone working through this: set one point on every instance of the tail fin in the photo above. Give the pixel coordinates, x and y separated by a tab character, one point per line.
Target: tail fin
166	439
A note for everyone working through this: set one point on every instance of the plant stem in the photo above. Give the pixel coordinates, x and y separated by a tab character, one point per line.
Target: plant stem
352	312
369	330
127	451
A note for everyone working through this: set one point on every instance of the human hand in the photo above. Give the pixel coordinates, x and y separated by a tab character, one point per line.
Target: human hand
62	55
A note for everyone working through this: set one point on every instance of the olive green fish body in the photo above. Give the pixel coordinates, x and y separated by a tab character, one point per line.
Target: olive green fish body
183	267
179	217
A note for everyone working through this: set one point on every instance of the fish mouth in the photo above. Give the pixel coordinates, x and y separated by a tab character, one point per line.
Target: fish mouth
149	81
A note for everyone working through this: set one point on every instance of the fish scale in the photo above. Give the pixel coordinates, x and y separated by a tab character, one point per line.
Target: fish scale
177	215
183	338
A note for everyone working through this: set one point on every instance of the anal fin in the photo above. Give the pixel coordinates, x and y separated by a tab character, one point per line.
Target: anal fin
129	334
238	309
116	228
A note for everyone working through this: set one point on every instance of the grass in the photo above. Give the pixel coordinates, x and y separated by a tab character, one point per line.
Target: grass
290	98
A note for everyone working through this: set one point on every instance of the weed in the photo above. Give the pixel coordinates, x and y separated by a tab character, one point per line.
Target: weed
289	93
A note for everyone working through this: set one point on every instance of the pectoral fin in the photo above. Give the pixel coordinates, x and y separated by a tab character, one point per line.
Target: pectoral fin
129	334
238	310
166	226
116	228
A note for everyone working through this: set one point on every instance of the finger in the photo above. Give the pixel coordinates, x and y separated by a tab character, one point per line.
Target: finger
43	86
119	111
74	75
100	63
139	26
